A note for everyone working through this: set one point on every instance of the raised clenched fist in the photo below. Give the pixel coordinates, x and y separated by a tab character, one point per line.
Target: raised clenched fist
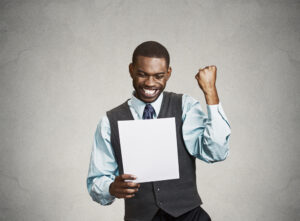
206	78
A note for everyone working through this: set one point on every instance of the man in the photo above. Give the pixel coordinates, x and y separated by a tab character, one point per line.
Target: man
198	136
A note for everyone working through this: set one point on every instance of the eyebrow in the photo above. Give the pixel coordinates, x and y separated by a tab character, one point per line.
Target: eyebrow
149	74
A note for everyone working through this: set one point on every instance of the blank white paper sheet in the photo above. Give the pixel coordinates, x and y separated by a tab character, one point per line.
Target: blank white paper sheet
149	149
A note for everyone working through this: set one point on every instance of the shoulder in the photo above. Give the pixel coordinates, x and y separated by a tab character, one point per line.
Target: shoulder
186	99
172	97
103	128
118	111
121	112
172	94
118	108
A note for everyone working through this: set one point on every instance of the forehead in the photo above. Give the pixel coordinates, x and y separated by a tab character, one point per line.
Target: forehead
149	64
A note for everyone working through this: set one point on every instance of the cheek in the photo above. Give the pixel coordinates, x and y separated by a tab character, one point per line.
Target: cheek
137	82
163	82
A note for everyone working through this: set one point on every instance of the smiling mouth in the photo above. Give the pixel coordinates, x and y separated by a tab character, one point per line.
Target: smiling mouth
149	92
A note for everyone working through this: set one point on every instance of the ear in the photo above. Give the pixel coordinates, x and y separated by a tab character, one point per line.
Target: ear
131	69
169	72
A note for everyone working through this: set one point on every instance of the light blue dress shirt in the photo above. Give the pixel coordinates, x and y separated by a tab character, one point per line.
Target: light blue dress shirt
205	137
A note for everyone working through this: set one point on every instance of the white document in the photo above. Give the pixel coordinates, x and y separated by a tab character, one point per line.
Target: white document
149	149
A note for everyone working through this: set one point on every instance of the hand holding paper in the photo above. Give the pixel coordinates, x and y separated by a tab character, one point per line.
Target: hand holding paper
121	188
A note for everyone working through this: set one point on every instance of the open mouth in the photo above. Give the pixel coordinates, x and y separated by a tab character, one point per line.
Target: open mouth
150	92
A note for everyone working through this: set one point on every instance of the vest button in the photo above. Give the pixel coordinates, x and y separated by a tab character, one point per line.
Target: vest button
158	189
160	203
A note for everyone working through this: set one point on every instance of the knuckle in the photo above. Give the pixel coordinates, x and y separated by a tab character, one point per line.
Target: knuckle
124	176
133	184
130	184
130	191
127	185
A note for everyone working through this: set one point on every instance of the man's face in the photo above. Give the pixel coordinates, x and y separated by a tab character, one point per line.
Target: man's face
149	77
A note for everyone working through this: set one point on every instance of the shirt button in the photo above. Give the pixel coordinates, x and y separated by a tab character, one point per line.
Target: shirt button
160	203
158	189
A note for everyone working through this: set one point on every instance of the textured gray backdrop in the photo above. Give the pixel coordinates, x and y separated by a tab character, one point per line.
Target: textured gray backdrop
64	63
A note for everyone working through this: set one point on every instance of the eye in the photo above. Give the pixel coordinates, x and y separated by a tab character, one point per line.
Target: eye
141	74
160	76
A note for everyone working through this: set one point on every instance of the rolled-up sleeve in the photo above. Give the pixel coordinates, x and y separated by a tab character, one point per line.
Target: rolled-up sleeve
206	136
103	167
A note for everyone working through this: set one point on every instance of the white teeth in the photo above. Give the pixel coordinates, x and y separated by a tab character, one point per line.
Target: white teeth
150	92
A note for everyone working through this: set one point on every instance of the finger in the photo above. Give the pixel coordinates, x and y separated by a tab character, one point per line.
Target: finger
130	185
130	191
126	190
129	196
127	177
125	196
123	193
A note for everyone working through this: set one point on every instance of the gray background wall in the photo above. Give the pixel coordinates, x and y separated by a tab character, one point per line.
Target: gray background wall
64	63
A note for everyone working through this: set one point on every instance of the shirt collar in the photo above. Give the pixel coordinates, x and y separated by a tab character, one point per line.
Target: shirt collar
139	105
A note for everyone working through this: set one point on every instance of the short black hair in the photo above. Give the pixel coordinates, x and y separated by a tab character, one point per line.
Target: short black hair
151	49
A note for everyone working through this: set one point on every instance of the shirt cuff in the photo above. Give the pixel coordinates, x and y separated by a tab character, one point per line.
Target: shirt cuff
101	193
216	112
106	193
212	110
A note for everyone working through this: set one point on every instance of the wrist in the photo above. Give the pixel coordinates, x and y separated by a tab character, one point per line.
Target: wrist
110	189
210	91
211	96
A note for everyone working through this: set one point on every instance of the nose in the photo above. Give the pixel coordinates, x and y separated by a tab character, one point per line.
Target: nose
150	81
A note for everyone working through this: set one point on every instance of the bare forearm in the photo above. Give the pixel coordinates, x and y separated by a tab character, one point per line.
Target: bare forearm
211	96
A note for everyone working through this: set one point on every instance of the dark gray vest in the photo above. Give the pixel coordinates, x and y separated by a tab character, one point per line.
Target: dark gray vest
173	196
